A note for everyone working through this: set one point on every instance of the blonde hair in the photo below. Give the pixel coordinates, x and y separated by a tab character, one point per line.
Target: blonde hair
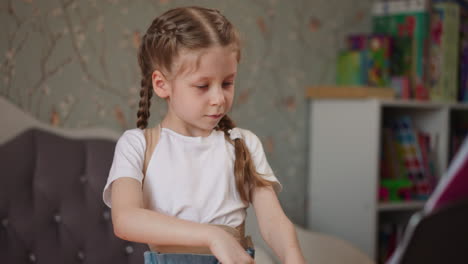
193	29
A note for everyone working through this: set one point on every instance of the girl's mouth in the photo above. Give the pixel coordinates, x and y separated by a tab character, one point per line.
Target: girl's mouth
215	116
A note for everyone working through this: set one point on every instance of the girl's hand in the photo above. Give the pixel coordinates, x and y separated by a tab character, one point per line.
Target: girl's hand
227	250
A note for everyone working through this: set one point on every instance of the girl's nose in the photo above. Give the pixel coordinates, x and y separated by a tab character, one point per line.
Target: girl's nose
217	96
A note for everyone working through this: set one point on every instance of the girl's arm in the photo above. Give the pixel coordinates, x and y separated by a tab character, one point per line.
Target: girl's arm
275	227
134	223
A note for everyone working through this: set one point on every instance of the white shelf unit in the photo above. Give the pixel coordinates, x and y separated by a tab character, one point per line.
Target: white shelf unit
344	153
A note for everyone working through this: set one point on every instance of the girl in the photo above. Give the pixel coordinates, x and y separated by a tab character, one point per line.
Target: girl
183	187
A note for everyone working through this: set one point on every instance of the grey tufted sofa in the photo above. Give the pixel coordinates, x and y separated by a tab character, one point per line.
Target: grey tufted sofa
51	210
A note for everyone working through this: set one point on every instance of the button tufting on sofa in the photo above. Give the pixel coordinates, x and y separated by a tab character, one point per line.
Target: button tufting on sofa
80	255
128	249
106	215
5	222
83	179
32	258
57	218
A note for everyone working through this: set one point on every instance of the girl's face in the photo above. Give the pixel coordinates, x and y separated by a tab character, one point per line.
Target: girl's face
202	92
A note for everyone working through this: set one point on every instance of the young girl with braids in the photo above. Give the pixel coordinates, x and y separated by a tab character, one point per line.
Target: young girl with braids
183	186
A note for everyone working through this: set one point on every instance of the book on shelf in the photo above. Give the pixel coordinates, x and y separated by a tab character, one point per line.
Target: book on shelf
378	60
407	21
390	167
407	163
424	141
375	59
401	85
444	51
350	68
413	158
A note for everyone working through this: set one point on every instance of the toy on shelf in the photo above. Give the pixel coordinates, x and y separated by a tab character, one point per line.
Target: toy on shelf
398	189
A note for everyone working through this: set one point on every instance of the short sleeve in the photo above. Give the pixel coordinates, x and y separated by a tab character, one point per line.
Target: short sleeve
128	160
259	158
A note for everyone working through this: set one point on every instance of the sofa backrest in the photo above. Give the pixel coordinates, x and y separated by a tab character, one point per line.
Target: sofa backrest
51	208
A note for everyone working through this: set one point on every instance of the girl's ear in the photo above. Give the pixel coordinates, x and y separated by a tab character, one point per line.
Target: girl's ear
160	84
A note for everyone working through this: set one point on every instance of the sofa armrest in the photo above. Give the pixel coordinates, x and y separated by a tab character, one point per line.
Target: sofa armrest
321	248
317	248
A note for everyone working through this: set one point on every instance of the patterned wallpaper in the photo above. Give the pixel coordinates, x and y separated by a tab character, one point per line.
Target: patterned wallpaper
73	64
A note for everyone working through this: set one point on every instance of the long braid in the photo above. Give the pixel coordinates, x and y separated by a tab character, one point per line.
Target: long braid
247	177
146	92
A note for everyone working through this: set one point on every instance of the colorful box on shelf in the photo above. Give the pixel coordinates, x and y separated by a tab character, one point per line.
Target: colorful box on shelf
407	21
349	92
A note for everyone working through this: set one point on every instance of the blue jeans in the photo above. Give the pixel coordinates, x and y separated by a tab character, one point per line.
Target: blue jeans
161	258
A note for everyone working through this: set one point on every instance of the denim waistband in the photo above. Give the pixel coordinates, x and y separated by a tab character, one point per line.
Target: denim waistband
152	257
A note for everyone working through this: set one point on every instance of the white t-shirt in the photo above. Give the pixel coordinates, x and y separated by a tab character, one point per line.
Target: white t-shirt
191	178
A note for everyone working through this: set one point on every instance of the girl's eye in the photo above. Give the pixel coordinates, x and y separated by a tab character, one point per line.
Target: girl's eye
227	84
202	86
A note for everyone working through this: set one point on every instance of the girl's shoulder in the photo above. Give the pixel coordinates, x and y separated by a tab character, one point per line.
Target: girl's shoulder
251	139
132	138
247	134
133	133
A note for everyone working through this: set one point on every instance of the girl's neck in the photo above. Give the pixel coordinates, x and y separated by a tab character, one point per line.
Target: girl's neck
179	126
